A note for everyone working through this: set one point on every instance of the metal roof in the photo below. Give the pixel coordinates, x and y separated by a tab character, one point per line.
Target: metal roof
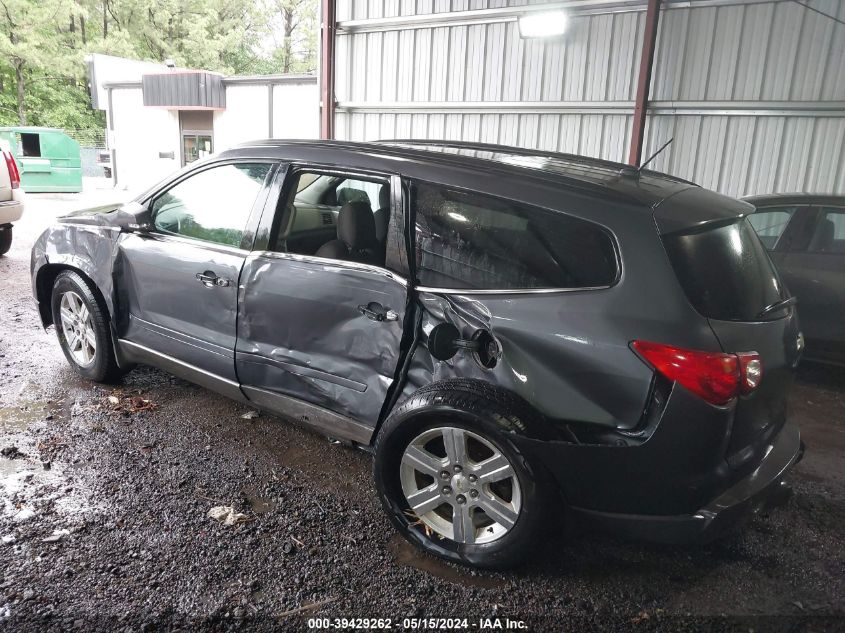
598	177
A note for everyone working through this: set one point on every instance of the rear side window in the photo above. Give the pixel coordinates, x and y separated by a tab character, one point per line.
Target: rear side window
725	271
466	240
770	223
829	236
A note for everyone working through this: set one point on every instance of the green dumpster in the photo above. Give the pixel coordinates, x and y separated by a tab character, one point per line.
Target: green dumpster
48	159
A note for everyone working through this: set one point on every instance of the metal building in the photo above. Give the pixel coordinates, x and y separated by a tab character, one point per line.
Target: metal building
752	91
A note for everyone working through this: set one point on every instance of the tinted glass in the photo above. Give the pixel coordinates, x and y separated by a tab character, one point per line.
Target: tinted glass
358	190
471	241
829	236
770	223
213	205
725	271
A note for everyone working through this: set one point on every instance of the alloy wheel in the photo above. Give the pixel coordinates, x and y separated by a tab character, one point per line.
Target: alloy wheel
460	485
78	329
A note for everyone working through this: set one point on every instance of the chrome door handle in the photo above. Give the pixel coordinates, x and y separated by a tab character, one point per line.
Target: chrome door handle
377	312
210	280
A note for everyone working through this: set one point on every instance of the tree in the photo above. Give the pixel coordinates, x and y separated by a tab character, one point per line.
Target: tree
30	44
43	44
298	52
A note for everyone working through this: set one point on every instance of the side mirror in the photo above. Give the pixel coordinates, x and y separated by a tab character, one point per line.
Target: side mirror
133	219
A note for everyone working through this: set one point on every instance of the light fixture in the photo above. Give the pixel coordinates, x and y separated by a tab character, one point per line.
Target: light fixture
543	24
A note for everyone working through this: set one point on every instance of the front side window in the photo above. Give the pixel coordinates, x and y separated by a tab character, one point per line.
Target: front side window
829	236
468	240
212	205
770	223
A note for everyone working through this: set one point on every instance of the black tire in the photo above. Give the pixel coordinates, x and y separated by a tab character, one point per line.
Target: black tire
490	413
5	239
104	367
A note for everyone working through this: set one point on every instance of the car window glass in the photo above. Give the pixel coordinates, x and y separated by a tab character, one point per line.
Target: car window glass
725	271
212	205
308	225
770	223
306	181
358	190
829	236
472	241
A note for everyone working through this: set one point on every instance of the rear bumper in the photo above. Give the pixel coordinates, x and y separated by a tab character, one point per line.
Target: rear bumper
11	210
763	488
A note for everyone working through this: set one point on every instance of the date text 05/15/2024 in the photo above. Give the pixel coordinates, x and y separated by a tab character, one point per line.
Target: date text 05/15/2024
417	624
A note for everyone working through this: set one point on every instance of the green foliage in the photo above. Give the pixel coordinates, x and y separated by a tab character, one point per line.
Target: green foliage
43	44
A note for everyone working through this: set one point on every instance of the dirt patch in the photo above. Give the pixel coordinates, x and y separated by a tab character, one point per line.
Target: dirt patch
116	535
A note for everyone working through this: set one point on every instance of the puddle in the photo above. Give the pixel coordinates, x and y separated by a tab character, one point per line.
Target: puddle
27	491
257	504
406	554
12	466
17	419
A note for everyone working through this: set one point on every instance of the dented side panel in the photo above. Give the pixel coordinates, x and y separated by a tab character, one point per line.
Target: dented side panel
573	371
90	248
168	309
301	333
567	351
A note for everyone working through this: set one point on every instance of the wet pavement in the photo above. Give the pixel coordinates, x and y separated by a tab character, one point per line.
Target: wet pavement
104	526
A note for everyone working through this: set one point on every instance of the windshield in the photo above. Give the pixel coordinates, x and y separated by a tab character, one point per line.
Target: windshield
726	272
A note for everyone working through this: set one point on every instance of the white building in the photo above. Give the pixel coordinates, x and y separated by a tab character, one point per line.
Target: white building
160	118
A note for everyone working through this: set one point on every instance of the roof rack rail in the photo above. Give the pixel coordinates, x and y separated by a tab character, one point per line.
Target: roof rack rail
522	151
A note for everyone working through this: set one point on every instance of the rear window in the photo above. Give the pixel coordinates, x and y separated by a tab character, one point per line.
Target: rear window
725	271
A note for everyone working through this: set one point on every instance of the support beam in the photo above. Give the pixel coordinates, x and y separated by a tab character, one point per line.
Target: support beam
652	17
328	28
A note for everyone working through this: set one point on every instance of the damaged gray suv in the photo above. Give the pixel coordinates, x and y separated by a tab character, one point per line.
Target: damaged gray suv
510	332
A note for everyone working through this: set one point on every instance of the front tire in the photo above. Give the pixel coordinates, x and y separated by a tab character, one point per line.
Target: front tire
5	239
82	327
454	484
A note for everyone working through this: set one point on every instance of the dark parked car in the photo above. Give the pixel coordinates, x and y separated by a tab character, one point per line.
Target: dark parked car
805	235
508	331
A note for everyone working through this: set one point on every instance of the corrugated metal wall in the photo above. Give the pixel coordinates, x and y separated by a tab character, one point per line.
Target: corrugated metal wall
752	92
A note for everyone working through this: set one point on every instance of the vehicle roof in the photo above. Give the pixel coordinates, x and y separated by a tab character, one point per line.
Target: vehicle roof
593	175
770	199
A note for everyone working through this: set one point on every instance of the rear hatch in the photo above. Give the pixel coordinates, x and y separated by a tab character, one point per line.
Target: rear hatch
729	278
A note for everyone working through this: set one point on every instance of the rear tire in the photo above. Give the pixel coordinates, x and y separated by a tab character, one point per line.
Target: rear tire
507	500
82	327
5	239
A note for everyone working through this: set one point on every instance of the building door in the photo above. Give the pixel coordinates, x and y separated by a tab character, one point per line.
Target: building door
197	131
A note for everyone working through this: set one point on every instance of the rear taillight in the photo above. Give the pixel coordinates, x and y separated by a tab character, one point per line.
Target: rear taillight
14	174
715	377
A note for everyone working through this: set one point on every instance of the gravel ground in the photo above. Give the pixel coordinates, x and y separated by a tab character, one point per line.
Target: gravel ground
113	533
